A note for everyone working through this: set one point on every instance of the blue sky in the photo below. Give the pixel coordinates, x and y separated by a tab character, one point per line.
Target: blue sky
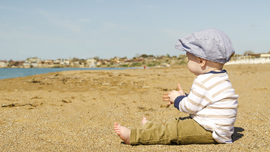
54	29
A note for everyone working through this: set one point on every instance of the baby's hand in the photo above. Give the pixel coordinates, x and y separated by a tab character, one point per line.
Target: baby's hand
167	98
170	96
174	94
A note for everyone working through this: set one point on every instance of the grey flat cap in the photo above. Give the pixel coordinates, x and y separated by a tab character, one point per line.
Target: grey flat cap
210	44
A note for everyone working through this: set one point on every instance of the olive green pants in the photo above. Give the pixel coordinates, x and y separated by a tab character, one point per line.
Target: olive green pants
179	131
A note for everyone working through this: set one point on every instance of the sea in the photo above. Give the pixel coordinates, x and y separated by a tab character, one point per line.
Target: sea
6	73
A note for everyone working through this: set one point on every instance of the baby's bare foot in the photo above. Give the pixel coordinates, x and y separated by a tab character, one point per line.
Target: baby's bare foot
122	132
144	120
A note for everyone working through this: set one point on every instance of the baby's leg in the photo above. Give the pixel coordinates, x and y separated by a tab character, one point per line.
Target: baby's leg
122	132
153	133
144	120
148	124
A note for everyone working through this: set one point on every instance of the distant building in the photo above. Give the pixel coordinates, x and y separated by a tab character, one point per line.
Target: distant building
34	65
16	64
66	62
99	63
3	64
254	55
27	64
76	63
48	63
32	62
57	62
91	63
265	55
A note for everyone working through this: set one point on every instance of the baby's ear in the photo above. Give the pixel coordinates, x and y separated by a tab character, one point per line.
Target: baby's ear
202	62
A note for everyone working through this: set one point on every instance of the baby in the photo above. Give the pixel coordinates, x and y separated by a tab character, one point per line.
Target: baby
212	102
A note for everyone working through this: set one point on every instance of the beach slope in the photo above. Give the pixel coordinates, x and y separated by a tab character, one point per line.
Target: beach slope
76	110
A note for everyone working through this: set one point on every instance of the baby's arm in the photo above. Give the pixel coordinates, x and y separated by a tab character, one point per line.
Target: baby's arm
197	100
171	96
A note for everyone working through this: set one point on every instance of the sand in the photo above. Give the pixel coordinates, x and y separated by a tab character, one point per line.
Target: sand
76	110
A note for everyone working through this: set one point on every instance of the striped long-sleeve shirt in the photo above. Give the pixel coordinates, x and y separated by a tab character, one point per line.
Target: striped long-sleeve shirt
212	102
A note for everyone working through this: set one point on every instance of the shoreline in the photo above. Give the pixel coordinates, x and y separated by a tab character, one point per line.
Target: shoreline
33	71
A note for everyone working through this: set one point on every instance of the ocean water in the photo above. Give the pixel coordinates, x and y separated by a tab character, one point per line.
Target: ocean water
6	73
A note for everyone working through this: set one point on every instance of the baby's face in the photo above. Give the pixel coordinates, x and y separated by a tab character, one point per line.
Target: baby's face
194	64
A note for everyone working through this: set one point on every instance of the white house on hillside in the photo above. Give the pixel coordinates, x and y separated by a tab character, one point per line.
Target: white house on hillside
251	59
265	55
27	64
91	63
3	64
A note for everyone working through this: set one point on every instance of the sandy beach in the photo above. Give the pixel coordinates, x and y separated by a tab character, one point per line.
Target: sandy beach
76	110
